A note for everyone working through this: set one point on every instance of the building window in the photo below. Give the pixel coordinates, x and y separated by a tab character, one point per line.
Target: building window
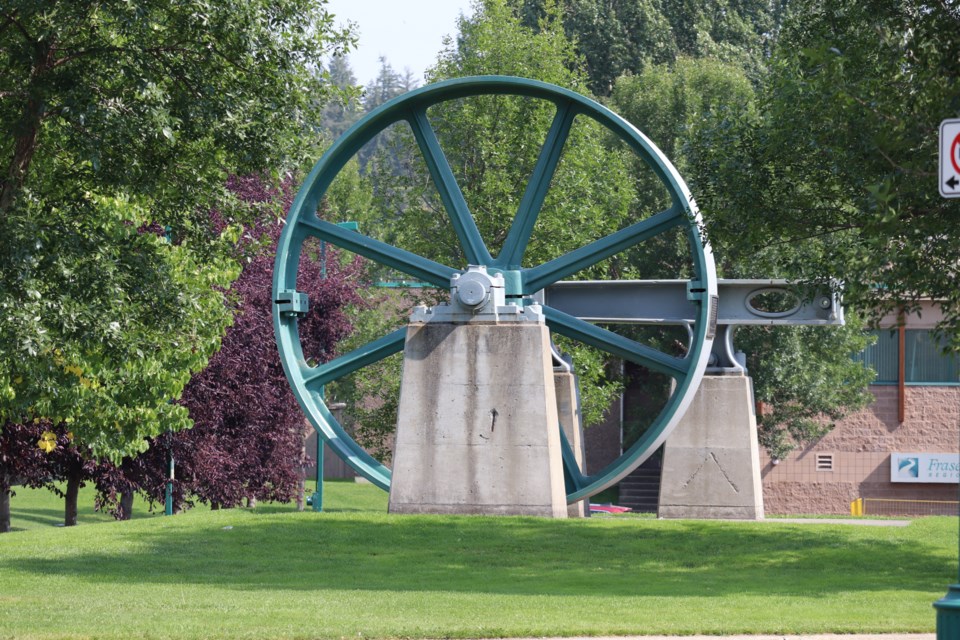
924	361
881	356
824	462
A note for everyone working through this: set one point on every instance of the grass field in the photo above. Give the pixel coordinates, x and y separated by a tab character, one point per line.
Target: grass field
354	571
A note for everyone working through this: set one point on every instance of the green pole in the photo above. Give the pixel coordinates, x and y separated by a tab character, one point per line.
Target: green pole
168	498
168	493
316	501
948	607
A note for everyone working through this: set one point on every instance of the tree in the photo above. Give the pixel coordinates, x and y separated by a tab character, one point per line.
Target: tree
386	86
804	376
613	37
618	38
805	379
344	109
41	455
735	31
119	120
22	462
491	144
839	165
246	442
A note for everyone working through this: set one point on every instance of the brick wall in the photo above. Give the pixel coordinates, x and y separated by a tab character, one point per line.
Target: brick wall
860	446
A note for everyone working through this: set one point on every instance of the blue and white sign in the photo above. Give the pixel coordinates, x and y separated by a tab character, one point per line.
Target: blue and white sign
925	467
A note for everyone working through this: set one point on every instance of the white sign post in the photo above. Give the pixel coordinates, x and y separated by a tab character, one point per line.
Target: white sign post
950	158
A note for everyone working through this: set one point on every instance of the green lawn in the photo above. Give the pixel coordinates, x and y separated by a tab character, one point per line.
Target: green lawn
355	571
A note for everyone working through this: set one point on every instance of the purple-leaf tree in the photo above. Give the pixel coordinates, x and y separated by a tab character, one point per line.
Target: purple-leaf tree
39	455
22	462
247	438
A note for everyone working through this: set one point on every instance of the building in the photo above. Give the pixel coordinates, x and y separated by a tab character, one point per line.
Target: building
917	411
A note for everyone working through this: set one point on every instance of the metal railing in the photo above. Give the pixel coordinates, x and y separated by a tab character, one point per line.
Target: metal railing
892	507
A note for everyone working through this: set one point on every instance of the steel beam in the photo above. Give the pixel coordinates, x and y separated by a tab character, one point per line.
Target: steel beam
667	302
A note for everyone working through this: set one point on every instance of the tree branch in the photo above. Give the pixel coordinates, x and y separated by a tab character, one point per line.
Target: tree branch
25	143
11	19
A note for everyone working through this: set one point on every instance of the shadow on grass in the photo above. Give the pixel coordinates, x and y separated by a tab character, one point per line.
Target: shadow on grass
511	556
54	517
42	516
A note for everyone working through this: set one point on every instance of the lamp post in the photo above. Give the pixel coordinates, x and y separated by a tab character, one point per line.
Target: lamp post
168	497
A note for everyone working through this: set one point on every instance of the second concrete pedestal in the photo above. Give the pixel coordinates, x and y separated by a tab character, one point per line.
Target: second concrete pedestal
711	461
568	410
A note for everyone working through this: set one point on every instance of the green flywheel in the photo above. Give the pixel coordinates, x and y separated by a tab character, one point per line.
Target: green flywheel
307	381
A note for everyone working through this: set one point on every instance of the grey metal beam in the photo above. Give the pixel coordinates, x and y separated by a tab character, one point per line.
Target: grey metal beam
665	302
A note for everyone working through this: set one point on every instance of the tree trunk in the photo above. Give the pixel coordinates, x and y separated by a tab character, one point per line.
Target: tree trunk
126	505
70	499
25	143
302	484
4	509
5	487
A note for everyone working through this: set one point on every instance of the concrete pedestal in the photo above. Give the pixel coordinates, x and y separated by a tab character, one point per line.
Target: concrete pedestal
568	410
477	426
711	461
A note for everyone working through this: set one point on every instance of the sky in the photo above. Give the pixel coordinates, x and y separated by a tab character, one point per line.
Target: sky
409	33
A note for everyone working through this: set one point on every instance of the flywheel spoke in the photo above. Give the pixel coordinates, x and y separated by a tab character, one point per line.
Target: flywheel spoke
519	235
400	259
614	344
572	475
357	359
464	225
546	274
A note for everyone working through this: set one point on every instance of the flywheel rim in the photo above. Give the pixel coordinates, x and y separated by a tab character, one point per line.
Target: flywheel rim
302	223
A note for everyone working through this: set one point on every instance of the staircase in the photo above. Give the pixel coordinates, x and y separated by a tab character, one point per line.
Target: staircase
641	489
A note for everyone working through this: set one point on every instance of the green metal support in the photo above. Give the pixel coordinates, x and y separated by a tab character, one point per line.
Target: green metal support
316	500
168	494
463	223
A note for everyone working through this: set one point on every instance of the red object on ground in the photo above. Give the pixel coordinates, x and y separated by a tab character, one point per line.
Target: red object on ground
608	508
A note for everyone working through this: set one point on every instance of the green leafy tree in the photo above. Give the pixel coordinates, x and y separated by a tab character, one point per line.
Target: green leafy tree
805	380
622	38
613	37
840	162
104	319
343	109
119	121
735	31
492	143
804	375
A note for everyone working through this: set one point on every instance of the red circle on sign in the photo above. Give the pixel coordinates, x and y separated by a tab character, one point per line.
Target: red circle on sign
953	153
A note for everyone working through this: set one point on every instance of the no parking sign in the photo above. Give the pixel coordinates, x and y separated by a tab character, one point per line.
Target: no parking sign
950	158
